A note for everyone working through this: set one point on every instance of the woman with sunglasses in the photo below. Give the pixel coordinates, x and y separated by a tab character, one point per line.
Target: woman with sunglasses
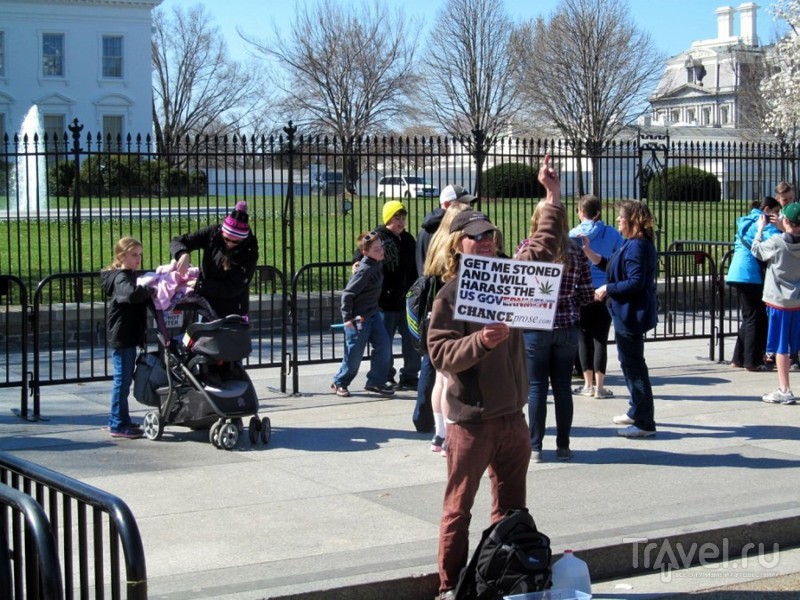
484	398
230	256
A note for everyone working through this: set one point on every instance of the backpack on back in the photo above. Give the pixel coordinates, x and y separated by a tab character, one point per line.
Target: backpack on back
513	557
419	303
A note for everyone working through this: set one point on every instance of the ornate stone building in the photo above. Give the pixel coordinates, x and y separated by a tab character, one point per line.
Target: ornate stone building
708	84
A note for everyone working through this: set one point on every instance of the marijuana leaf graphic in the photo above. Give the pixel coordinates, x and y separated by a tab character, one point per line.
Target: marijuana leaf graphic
545	289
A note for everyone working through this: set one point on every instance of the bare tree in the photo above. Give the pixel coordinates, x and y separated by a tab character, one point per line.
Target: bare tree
469	70
347	69
588	71
197	86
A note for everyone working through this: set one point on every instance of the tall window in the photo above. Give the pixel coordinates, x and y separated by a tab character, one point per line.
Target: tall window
112	127
112	56
54	128
53	54
706	119
724	115
2	127
2	53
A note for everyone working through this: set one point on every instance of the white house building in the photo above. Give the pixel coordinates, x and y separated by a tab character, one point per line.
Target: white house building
703	86
77	59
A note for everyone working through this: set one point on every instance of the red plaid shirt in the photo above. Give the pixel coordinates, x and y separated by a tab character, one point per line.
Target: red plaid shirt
576	287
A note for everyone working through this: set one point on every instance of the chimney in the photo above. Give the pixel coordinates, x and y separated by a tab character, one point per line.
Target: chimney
747	23
724	22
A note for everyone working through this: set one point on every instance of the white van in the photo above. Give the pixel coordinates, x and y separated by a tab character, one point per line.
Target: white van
406	187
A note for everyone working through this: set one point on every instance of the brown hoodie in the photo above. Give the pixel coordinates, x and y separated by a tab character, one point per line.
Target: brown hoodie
485	383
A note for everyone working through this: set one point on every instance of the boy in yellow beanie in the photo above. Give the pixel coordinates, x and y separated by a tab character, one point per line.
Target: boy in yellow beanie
399	274
391	208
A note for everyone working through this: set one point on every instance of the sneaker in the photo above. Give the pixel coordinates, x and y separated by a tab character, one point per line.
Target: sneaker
536	456
391	383
407	384
564	454
340	390
127	432
779	397
443	453
623	420
382	390
794	366
584	391
632	431
448	595
603	393
759	368
437	443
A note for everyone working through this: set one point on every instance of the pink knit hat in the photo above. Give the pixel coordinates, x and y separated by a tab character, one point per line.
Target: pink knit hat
235	224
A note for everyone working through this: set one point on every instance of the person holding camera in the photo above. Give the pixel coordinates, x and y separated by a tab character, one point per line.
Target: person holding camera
746	276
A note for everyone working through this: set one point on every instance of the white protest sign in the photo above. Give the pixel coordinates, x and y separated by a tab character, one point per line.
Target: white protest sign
519	293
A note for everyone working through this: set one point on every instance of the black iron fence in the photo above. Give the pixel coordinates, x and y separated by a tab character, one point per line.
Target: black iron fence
65	201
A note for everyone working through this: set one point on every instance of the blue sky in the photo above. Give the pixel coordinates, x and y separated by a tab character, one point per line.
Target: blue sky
672	24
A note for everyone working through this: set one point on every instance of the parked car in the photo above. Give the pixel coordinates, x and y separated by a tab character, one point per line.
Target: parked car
406	187
330	183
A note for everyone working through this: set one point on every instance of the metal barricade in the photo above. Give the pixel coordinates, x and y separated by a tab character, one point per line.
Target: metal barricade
14	338
89	543
29	566
687	297
314	306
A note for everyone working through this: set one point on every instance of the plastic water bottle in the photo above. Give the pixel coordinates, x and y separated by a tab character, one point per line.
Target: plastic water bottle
570	572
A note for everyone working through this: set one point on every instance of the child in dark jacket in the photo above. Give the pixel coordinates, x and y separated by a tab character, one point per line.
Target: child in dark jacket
363	323
126	326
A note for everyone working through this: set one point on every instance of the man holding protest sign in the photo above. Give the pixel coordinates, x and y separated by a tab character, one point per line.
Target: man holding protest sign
489	384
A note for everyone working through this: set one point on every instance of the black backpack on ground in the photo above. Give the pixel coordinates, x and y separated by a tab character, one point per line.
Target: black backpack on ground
513	557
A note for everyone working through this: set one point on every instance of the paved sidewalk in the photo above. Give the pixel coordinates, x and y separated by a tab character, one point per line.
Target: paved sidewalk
345	501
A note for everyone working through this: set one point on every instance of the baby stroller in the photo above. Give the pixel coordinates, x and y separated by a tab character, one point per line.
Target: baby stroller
202	383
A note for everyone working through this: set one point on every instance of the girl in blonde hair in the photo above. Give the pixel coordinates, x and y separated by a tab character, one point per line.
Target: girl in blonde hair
126	327
435	266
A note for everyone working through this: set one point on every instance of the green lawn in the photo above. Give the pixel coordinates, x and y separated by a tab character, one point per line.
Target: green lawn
33	249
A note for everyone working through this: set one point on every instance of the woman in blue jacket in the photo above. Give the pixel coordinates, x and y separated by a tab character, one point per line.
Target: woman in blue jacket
631	293
746	275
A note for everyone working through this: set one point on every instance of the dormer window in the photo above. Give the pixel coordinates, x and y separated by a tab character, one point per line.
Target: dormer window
695	71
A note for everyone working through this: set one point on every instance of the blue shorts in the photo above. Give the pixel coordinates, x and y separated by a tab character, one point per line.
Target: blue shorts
783	335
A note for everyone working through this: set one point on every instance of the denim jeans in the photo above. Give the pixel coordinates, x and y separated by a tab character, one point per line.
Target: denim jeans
395	321
502	446
423	411
630	349
123	361
355	342
551	355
